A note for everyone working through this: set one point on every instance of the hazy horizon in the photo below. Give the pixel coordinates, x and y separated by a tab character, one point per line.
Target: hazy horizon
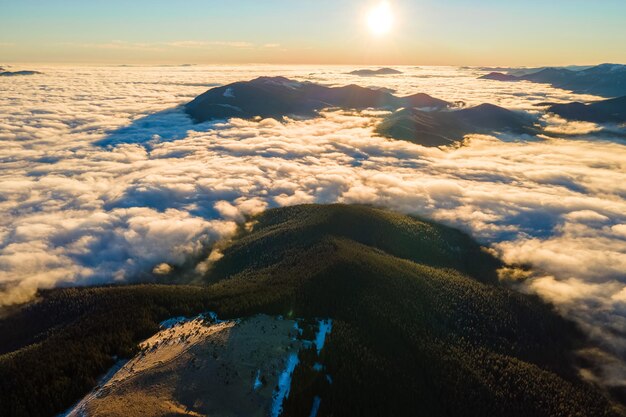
459	33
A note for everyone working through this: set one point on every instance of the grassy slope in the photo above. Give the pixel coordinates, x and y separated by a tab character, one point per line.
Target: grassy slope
421	326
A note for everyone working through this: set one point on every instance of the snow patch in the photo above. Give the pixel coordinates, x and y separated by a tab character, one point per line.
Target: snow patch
169	323
229	106
257	381
175	321
284	385
229	93
213	316
297	328
315	407
325	326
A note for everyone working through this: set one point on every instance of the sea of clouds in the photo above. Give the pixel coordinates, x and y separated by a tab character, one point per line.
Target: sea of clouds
104	179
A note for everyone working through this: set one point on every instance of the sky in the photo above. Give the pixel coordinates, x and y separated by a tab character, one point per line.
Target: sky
424	32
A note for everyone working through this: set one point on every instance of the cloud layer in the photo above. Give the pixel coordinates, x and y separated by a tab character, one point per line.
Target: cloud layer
103	179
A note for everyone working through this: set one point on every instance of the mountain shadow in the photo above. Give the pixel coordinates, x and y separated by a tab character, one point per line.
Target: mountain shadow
164	126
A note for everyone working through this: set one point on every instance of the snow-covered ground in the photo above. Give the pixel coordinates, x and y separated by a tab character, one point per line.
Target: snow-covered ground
284	385
325	327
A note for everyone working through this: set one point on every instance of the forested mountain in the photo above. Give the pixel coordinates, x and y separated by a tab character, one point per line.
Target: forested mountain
421	324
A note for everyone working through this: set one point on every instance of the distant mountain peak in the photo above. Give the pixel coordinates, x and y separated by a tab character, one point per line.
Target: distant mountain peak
371	72
17	73
280	96
445	127
605	111
608	80
498	76
280	80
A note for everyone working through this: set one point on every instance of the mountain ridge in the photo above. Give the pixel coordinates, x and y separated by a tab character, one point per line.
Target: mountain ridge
442	128
372	73
607	80
279	96
605	111
421	324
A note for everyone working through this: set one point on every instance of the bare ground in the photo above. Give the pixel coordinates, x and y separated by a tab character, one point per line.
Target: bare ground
199	369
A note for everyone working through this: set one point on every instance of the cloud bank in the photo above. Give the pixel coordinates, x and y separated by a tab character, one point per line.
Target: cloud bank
103	179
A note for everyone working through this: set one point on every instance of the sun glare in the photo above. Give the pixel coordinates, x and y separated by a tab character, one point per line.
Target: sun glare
380	19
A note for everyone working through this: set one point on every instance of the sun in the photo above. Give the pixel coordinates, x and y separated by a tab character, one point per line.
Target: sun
380	19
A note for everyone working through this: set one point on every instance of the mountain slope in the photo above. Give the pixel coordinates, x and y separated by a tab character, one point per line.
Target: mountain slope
372	73
440	128
498	76
279	96
608	80
17	73
418	330
421	326
605	111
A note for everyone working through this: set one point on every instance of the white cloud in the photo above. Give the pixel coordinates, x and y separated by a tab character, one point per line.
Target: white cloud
102	179
162	269
558	125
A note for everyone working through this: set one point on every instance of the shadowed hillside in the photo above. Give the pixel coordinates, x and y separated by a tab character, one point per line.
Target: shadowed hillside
441	128
605	111
279	96
421	327
608	80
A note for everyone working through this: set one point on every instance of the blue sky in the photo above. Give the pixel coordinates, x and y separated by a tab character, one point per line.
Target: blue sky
454	32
